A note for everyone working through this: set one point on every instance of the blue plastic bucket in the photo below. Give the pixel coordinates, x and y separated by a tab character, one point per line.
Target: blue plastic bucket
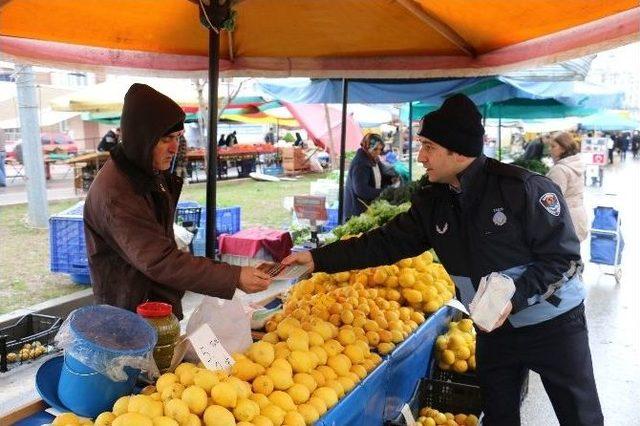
100	334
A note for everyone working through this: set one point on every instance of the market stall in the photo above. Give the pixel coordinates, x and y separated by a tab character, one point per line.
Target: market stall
85	167
245	158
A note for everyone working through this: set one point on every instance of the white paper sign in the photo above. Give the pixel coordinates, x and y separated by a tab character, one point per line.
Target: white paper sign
456	304
209	349
408	415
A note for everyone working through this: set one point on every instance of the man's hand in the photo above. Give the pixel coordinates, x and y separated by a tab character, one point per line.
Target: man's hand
302	258
503	317
252	280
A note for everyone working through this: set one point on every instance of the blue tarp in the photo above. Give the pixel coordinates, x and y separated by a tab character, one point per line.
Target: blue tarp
482	90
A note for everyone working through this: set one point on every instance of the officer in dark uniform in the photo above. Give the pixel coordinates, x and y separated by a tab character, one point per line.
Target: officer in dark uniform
483	216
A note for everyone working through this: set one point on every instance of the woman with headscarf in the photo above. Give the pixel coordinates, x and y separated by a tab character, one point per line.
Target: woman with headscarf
366	178
568	173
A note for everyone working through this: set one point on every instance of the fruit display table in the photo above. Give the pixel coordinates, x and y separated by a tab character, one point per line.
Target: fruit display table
381	394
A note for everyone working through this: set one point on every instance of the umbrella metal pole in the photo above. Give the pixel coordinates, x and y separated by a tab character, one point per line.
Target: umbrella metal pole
499	138
410	141
212	152
343	139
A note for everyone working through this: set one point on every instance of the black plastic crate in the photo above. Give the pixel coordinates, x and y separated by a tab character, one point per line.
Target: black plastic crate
28	329
436	373
455	398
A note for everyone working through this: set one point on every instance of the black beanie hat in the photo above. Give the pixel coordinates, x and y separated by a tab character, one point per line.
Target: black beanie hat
175	128
456	125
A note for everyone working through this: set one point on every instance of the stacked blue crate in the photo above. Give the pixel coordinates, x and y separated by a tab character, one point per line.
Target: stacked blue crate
68	250
332	220
227	222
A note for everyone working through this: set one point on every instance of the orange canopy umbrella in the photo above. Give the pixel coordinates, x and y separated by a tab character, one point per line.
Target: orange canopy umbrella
339	38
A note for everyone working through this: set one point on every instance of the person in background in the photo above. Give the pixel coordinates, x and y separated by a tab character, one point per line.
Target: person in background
222	140
231	139
270	137
635	144
568	173
366	178
610	146
129	213
109	140
535	148
3	156
625	144
298	142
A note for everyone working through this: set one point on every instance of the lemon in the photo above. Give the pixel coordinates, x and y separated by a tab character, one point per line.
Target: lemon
385	348
448	357
301	361
319	404
340	364
270	337
306	380
196	399
205	379
224	394
172	391
347	383
298	393
66	419
243	389
293	418
164	421
260	399
216	415
336	386
463	353
261	420
132	419
321	353
282	364
262	385
121	405
326	394
281	378
298	340
186	376
471	420
183	367
354	353
177	409
245	369
104	419
460	366
282	400
273	413
246	410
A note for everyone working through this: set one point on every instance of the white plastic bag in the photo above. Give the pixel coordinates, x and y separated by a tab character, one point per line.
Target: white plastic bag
494	293
182	236
228	319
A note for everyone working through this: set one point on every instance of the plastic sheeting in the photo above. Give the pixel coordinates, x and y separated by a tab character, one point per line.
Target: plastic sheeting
108	340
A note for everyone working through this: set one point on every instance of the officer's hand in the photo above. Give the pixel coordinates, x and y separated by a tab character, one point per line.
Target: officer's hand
503	317
252	280
302	258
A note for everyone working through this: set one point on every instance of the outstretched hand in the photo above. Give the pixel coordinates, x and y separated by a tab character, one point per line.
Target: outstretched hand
300	258
253	280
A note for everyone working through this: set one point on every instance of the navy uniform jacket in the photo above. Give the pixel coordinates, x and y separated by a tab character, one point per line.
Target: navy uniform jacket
504	219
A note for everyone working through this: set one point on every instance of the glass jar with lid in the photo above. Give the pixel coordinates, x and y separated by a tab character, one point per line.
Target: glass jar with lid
160	316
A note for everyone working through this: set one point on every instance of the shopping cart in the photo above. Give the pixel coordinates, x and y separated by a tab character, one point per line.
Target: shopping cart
607	242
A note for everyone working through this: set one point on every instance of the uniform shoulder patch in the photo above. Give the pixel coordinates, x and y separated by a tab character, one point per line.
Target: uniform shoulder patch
551	203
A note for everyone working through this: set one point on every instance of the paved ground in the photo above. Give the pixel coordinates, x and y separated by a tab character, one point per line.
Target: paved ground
60	187
612	314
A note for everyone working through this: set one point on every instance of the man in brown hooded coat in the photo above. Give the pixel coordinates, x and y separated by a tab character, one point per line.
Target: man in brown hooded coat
129	212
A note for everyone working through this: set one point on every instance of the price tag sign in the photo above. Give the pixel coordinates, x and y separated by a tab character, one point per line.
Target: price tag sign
310	207
408	415
210	350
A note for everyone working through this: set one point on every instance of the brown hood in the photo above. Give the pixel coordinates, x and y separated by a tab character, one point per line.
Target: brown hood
146	116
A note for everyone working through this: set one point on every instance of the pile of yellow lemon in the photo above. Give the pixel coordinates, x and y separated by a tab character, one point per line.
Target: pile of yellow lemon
456	350
433	417
313	353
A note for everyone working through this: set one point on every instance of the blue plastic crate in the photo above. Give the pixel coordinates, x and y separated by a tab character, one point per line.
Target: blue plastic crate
273	170
227	222
188	211
67	244
332	220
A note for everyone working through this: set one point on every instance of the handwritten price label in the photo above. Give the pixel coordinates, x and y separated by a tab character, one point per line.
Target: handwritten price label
210	350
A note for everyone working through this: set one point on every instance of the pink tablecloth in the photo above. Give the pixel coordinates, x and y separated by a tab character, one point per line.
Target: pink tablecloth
249	241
